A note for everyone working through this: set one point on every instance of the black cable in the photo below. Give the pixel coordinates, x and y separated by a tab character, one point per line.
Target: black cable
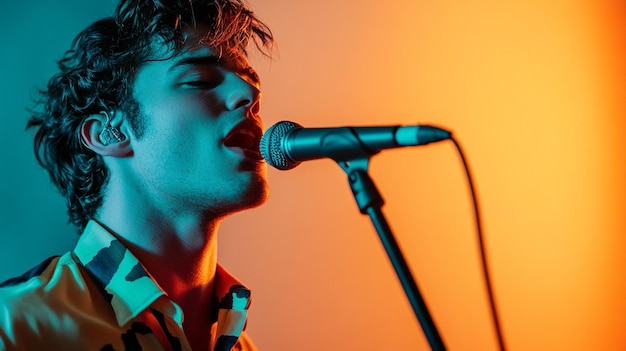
481	243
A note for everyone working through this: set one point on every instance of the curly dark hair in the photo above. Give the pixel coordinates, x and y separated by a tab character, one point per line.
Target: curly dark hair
97	75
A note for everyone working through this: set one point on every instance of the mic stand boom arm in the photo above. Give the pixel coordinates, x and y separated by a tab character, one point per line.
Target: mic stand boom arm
369	201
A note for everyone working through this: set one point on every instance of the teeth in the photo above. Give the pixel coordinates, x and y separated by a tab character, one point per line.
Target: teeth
247	132
246	137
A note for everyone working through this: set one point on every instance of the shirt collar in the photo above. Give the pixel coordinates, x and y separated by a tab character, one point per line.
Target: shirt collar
125	283
130	289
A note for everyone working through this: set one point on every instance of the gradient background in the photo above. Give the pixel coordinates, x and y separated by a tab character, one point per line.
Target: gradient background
534	90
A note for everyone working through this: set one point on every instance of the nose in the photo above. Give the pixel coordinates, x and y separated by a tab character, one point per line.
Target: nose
243	94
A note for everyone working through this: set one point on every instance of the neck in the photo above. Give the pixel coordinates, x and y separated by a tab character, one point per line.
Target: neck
178	256
179	250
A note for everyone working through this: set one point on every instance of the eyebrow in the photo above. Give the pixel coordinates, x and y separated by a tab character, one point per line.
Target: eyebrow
196	60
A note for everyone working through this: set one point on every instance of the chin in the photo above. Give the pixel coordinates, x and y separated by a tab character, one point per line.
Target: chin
255	196
248	194
259	196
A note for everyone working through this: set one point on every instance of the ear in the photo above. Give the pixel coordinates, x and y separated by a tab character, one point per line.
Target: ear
91	129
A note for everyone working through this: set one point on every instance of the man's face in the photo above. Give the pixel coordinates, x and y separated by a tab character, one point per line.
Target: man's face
199	149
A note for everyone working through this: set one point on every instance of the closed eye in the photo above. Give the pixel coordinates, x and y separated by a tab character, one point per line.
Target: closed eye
201	84
198	76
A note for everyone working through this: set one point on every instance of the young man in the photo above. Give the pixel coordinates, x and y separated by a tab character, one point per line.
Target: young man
151	132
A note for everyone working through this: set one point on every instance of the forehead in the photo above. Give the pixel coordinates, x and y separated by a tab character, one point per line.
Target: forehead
196	53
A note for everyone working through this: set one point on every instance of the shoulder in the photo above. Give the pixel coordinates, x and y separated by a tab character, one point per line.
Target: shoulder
41	281
18	293
28	275
30	303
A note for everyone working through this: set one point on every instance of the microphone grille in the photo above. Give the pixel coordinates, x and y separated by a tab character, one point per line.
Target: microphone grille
271	145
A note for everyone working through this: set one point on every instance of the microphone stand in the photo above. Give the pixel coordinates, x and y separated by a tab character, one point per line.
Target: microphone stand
370	202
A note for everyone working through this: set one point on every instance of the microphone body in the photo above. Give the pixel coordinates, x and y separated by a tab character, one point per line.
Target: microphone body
285	144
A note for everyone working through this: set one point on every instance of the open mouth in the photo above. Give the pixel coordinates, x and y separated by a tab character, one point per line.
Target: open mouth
246	136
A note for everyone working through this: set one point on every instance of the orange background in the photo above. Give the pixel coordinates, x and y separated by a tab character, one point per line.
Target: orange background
533	90
535	93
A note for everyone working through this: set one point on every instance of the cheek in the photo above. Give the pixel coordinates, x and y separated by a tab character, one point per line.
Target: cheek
181	128
186	147
175	146
168	121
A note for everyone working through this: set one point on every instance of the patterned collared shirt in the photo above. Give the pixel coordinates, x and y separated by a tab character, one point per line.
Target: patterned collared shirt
99	297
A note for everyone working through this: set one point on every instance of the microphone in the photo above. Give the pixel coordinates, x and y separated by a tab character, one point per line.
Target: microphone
285	144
